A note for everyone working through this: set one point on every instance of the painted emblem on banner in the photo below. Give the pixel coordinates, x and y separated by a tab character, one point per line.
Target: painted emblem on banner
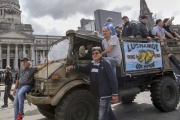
141	56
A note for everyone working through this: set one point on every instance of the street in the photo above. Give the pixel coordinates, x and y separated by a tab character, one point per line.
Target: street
140	109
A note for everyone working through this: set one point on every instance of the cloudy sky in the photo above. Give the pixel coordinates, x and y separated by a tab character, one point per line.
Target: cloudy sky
54	17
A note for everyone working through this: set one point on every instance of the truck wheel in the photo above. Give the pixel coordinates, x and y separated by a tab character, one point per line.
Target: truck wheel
77	105
128	99
165	94
47	110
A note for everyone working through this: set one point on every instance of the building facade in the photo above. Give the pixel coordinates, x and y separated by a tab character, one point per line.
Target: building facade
17	39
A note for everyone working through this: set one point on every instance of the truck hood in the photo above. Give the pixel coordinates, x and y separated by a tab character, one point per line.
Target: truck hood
47	71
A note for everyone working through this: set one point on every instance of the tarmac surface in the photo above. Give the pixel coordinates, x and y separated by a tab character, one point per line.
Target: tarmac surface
140	109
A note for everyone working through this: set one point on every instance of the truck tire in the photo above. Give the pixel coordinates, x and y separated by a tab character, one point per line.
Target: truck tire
47	110
128	99
77	105
165	94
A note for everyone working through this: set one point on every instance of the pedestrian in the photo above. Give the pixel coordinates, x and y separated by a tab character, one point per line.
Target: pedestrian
23	85
110	25
8	85
111	48
103	83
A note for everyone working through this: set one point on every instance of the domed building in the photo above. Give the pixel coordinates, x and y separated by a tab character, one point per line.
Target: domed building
17	39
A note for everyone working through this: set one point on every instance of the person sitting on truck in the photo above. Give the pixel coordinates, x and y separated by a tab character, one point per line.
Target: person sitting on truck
111	48
160	32
129	29
88	55
118	32
110	25
167	24
24	85
103	83
143	29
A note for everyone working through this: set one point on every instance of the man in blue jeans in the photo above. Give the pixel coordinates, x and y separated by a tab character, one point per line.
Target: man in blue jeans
103	83
23	85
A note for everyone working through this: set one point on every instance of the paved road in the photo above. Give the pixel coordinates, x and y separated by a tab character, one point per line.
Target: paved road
141	109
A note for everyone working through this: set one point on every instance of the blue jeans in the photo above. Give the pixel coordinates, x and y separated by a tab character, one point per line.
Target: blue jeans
19	100
113	62
105	110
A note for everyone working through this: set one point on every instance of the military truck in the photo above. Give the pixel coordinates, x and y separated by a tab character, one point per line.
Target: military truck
67	96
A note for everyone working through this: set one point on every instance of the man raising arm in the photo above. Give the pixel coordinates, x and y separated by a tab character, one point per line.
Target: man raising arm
23	85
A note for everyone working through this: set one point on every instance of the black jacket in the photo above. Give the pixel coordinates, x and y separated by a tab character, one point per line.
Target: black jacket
129	29
8	78
143	30
107	81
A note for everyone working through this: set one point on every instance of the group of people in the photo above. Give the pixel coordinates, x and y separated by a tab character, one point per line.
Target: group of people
161	30
102	68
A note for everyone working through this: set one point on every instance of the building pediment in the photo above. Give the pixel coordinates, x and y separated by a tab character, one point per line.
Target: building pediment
15	35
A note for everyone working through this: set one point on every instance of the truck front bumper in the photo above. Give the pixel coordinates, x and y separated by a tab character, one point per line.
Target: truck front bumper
38	100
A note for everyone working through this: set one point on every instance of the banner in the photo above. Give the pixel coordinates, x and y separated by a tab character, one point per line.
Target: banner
142	56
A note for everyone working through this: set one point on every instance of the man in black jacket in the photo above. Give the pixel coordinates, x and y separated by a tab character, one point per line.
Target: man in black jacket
143	29
129	29
103	83
8	85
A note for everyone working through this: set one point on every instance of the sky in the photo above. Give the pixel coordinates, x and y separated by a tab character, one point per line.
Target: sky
55	17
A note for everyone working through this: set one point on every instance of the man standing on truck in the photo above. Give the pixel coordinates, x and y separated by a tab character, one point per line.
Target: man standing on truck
111	48
8	84
23	85
129	29
103	83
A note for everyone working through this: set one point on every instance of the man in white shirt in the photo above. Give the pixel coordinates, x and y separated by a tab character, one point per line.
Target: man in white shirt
111	48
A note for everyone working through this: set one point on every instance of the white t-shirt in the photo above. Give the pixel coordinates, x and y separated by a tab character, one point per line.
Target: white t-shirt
116	51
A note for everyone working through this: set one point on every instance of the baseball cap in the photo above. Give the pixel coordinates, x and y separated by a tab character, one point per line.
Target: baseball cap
124	17
25	59
143	17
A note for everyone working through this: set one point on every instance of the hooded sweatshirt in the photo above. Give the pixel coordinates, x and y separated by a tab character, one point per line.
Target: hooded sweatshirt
111	27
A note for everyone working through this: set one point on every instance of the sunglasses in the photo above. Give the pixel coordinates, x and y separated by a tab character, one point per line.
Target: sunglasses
95	53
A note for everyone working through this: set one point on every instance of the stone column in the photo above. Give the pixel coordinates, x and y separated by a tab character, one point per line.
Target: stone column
0	57
44	54
8	55
24	51
36	52
16	57
32	55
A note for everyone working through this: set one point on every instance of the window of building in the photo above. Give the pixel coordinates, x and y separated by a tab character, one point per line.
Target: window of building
27	51
4	51
12	51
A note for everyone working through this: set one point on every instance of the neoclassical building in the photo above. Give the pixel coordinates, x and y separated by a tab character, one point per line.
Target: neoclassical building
17	39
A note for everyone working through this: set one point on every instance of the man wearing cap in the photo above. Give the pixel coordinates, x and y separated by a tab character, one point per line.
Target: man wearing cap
160	32
8	84
23	85
129	29
143	29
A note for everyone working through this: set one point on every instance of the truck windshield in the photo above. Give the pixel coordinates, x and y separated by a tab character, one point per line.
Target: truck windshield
59	50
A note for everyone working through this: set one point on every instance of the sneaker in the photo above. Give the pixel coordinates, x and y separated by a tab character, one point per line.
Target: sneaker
20	116
4	106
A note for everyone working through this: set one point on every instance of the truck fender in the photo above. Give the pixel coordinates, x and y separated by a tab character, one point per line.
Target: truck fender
55	100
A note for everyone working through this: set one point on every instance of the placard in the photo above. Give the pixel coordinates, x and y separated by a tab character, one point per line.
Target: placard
142	56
